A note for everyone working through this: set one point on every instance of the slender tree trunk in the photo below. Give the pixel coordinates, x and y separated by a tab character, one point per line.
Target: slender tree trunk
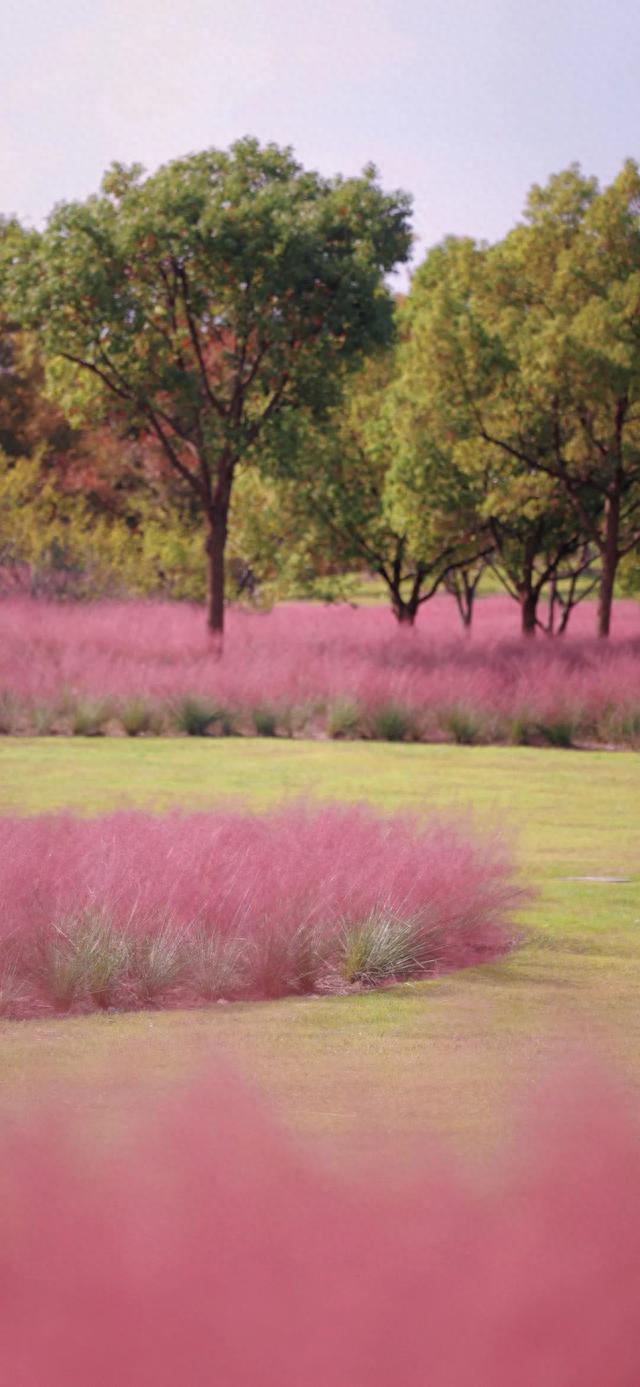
215	547
610	556
528	610
553	597
465	607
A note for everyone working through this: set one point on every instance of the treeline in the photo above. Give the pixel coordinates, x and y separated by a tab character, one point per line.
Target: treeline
224	357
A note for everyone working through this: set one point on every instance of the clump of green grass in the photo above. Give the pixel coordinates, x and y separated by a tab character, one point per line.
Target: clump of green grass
344	718
559	730
521	728
297	717
83	956
462	724
217	965
290	962
89	717
13	992
199	717
621	726
382	948
157	964
265	721
9	714
138	718
43	719
393	722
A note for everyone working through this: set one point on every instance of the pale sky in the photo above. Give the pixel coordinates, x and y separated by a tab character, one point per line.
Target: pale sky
464	103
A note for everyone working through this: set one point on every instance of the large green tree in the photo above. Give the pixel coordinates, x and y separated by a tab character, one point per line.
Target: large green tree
205	303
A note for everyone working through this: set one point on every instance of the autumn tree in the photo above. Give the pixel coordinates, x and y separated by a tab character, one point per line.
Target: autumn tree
203	302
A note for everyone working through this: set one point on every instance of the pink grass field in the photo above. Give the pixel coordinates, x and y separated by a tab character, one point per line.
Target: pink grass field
312	670
136	910
211	1251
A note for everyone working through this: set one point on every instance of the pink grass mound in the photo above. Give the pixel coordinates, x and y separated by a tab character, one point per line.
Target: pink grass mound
79	668
213	1253
135	909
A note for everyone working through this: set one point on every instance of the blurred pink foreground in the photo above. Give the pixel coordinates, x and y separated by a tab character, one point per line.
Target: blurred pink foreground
300	663
211	1254
135	909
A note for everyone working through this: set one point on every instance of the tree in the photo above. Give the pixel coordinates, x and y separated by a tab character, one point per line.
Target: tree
206	301
538	348
351	489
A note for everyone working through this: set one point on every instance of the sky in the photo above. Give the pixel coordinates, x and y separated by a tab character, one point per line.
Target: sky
464	103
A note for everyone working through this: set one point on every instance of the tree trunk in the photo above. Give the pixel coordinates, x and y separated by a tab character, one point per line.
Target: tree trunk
610	556
553	597
528	610
404	612
215	547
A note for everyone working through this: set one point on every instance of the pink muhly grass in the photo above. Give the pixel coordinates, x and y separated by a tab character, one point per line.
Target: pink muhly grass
143	667
135	909
212	1251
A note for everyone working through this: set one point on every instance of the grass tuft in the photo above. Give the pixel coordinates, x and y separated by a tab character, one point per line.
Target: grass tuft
89	717
382	948
265	721
344	718
138	718
392	722
463	724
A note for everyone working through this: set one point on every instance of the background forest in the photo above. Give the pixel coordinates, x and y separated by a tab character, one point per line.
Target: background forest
483	435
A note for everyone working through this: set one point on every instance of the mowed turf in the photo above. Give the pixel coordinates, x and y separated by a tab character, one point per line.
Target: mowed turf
447	1056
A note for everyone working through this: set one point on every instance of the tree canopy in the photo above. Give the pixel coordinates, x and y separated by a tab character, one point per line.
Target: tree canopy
201	303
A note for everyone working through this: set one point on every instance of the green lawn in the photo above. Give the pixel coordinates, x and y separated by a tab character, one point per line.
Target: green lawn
446	1055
